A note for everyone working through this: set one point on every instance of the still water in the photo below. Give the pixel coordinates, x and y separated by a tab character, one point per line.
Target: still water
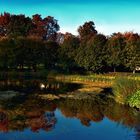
25	116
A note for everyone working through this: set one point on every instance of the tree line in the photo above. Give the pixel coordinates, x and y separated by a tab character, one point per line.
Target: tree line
34	42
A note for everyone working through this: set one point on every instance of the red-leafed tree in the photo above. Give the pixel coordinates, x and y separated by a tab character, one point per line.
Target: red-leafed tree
45	28
4	21
15	25
20	25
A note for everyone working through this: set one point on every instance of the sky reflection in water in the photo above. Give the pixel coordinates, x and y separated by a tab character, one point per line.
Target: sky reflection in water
36	119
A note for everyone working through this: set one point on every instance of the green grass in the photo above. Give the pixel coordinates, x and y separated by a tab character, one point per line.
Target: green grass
134	99
85	78
125	87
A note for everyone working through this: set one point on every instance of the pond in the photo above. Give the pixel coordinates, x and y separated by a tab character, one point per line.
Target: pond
26	116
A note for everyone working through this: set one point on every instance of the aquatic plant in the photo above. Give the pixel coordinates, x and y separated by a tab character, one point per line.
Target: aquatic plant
125	87
134	99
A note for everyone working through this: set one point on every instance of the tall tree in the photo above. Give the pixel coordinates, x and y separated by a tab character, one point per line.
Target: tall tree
115	47
7	55
50	55
4	21
29	52
67	52
45	28
14	25
86	31
132	51
19	25
92	56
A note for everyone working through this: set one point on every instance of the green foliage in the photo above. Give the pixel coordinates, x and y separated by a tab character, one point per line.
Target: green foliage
124	87
33	42
27	52
115	48
67	52
88	29
92	56
49	54
7	55
19	25
134	99
132	51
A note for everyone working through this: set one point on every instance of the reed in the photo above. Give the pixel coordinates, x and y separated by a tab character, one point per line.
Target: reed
125	87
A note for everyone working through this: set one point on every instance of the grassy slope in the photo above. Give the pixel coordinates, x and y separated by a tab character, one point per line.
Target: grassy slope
126	86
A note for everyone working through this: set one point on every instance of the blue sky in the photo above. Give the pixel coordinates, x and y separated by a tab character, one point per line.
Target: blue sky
108	15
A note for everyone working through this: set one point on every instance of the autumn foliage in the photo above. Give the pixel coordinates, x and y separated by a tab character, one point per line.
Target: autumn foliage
34	42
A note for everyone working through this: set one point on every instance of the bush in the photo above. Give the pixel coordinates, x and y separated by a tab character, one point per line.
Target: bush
125	87
134	100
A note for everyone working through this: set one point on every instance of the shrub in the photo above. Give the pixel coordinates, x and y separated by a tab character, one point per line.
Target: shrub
134	99
124	87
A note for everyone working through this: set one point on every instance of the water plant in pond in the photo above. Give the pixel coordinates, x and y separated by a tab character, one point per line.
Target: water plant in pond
124	88
134	99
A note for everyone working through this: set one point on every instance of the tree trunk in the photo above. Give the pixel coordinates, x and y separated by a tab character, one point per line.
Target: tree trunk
34	67
21	67
114	69
134	71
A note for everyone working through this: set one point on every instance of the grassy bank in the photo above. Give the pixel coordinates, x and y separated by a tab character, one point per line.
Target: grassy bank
126	86
124	90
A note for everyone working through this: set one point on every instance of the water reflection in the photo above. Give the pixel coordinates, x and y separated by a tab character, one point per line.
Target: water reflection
32	86
45	122
96	110
26	110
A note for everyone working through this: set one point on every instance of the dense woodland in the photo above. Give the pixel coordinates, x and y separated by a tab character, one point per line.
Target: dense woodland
35	43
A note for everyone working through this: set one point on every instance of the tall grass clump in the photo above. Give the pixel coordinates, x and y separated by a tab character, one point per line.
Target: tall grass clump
124	88
86	78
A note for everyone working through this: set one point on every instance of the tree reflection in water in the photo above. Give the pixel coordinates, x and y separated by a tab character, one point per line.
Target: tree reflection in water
10	121
137	131
37	114
39	86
